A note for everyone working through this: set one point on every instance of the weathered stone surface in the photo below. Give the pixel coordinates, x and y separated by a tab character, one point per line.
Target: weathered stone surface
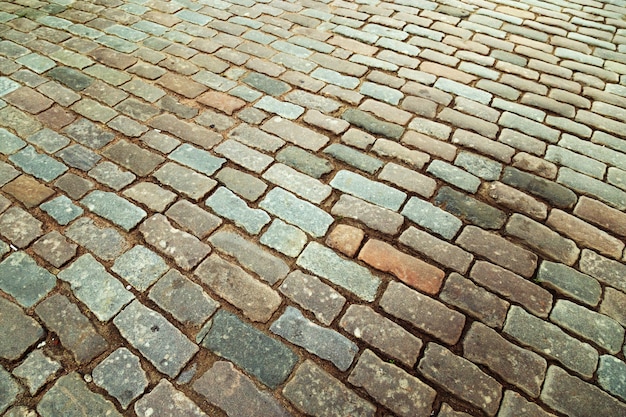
24	280
185	180
258	354
391	386
74	329
315	392
612	376
106	243
469	209
165	400
574	397
18	332
381	333
363	188
155	338
257	300
461	377
9	389
20	227
121	375
442	322
614	305
132	157
285	238
374	217
606	270
71	395
198	222
186	250
226	204
140	267
514	405
570	282
442	252
36	370
225	387
114	208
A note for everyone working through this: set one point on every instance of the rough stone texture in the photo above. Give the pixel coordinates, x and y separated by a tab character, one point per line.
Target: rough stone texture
225	387
461	378
372	216
155	338
402	393
570	282
36	370
24	280
165	400
105	243
315	392
20	227
121	375
18	331
114	208
514	405
9	389
258	354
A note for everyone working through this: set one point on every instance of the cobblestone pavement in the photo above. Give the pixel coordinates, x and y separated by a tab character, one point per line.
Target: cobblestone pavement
312	207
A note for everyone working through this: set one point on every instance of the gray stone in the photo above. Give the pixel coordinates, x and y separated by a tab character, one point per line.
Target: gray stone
106	243
93	285
392	387
255	137
607	271
77	156
185	180
570	282
612	376
549	340
20	227
373	125
374	192
470	209
266	84
257	300
245	185
323	342
453	175
281	108
10	142
514	405
305	162
285	238
155	338
244	156
353	157
154	197
38	165
7	173
253	257
62	210
197	221
111	175
324	262
296	134
18	332
140	267
583	184
166	401
226	204
37	369
382	93
300	184
372	216
121	375
291	209
114	208
74	329
185	249
24	280
432	218
139	160
224	386
183	299
9	389
315	392
71	397
550	191
256	353
480	166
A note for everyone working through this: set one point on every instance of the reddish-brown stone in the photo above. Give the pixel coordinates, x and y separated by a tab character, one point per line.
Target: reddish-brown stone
221	101
346	239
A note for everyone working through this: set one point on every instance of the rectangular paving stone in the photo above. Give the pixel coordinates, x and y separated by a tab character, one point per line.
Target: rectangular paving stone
20	227
298	183
257	300
432	218
454	175
315	392
184	180
102	293
498	250
235	385
474	300
166	401
265	358
583	184
461	378
372	124
570	282
244	156
518	366
606	270
185	249
140	267
374	217
470	209
374	192
38	165
114	208
23	279
442	252
18	331
574	397
313	295
300	213
241	183
410	397
597	328
550	191
304	161
325	263
198	159
542	239
357	159
320	341
550	341
155	338
140	161
406	304
72	395
381	333
298	135
226	204
106	243
74	329
285	238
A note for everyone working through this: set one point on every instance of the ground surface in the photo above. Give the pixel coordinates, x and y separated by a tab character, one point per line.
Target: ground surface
326	208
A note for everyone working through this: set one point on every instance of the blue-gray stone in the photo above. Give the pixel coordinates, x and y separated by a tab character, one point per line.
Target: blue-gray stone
256	353
48	140
121	375
9	143
140	267
353	157
454	175
155	338
24	280
226	204
612	375
36	369
432	218
9	389
62	210
325	263
93	285
382	93
478	165
570	282
198	159
18	332
285	238
281	108
368	190
106	243
300	213
114	208
320	341
39	165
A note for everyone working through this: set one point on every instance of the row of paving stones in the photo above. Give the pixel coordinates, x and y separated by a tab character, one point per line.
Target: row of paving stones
454	145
